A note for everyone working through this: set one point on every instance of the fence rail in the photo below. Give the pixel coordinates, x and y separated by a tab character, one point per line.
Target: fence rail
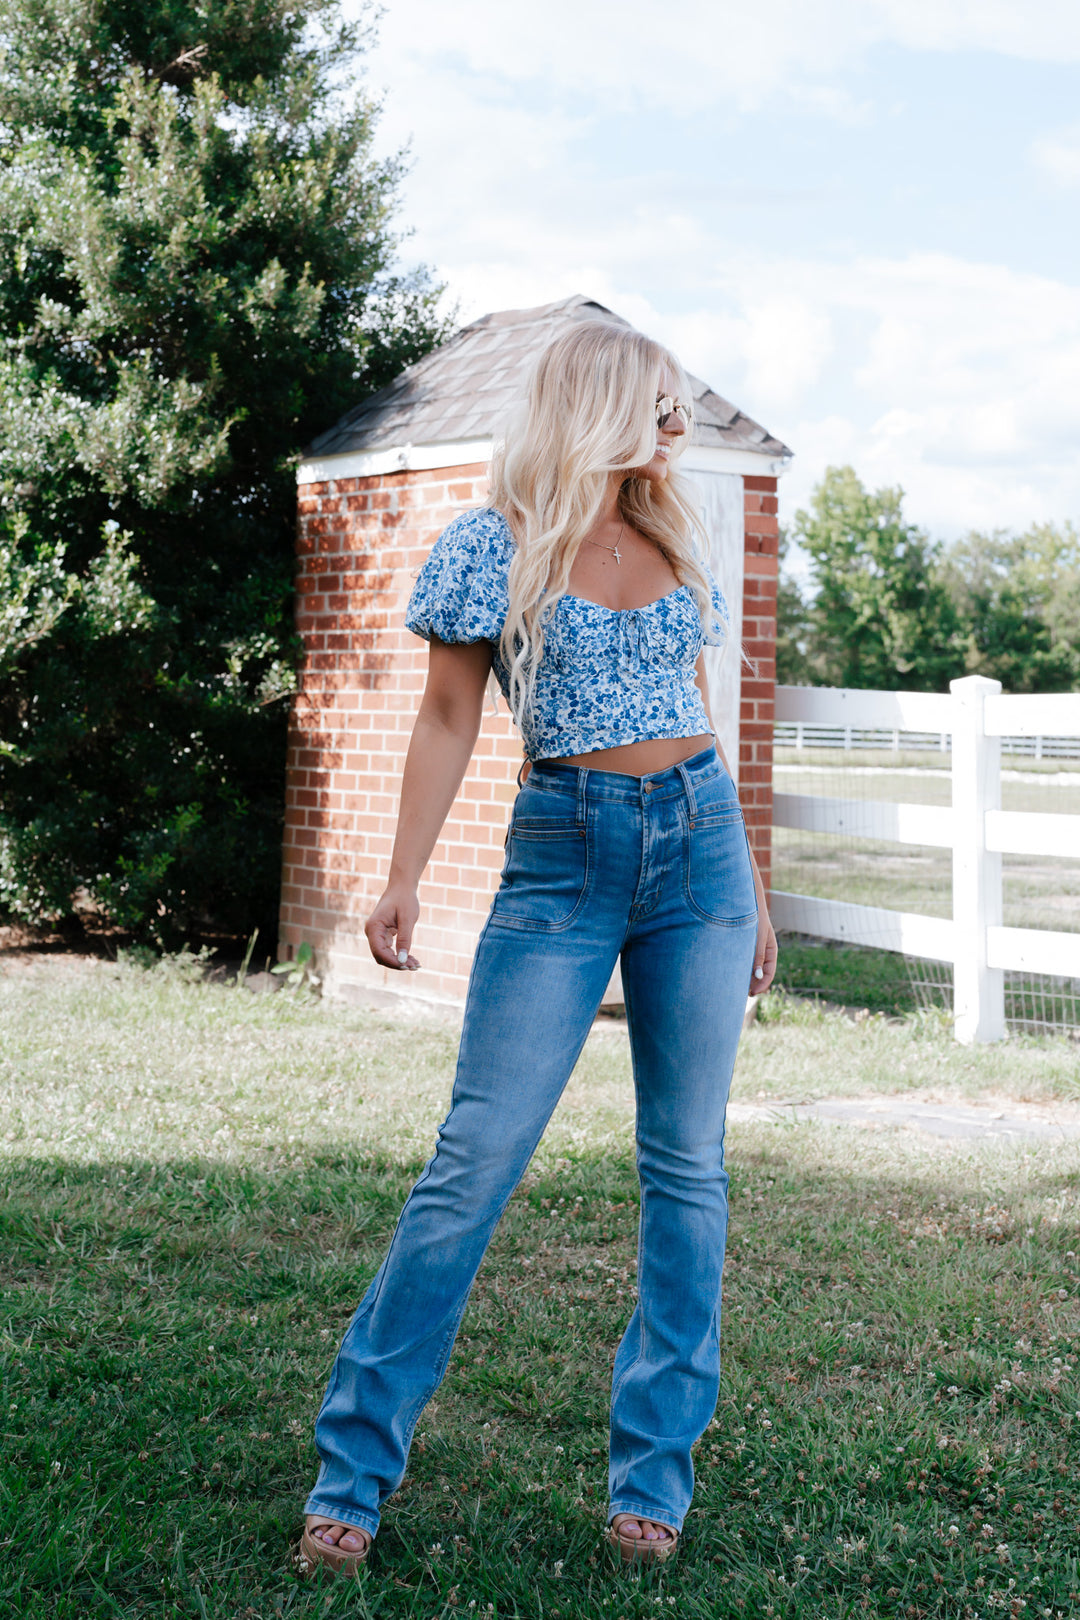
976	717
800	734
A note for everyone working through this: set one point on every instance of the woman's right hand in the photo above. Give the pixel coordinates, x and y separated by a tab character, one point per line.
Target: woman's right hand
389	929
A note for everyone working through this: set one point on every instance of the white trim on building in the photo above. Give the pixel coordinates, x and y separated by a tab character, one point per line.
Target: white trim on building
465	452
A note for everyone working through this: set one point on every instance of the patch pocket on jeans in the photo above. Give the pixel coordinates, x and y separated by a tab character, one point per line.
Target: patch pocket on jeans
719	877
544	876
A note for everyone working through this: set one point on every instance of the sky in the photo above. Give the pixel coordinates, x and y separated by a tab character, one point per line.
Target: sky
859	220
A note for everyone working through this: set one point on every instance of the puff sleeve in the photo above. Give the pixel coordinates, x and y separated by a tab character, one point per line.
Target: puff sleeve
461	592
718	629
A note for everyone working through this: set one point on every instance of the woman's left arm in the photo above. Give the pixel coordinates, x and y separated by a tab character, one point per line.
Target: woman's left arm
765	951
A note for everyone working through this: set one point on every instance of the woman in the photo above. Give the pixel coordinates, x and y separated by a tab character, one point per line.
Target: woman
582	588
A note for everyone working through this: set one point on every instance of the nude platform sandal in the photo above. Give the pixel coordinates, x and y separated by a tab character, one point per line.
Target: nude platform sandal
636	1549
315	1554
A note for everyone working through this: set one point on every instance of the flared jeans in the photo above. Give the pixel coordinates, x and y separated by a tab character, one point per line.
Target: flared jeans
599	867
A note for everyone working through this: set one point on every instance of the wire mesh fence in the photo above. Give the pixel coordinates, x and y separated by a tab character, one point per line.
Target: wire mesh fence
862	765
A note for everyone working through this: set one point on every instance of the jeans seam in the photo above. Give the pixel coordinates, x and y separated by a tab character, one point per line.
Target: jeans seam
616	1387
640	1351
445	1351
335	1376
720	922
627	1370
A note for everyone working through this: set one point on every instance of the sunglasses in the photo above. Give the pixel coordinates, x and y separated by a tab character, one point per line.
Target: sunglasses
667	407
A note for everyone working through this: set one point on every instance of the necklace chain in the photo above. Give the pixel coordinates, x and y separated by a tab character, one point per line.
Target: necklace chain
613	549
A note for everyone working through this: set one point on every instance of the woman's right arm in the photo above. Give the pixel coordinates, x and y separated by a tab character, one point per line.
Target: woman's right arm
440	748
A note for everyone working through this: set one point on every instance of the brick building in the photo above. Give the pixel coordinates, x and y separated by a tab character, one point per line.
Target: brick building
374	492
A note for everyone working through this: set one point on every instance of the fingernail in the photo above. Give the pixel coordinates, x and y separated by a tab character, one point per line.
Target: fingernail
759	973
403	957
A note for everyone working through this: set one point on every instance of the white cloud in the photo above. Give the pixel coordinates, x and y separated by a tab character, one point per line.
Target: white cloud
954	378
707	52
786	345
1057	156
957	380
965	391
1042	30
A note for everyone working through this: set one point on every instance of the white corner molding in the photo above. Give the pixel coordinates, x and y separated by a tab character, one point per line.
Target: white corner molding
722	459
394	459
465	452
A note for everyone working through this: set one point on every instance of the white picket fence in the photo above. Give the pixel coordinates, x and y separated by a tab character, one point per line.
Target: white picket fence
976	714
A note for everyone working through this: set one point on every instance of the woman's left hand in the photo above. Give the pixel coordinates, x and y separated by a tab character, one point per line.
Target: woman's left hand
764	953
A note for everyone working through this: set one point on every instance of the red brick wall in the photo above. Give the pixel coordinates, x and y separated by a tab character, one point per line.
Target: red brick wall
361	542
758	696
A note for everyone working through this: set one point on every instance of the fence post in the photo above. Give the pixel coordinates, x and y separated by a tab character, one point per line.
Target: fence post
978	990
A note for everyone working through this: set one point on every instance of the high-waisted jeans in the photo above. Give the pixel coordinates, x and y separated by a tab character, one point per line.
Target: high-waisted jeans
599	865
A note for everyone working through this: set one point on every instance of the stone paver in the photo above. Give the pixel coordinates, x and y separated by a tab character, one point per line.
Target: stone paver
1008	1119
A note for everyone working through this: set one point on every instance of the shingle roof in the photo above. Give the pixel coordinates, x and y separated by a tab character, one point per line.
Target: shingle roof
465	389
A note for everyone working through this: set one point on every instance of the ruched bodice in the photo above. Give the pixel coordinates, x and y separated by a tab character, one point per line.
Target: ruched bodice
607	676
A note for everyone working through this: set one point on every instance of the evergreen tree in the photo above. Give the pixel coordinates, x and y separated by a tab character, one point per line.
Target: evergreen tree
880	616
196	276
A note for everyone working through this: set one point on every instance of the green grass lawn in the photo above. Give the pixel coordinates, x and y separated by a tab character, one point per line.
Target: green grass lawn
198	1183
847	975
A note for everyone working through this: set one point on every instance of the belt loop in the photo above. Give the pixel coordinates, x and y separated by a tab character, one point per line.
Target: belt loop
525	766
688	789
582	784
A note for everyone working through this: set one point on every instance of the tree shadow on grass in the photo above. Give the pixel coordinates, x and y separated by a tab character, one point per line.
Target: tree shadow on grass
888	1371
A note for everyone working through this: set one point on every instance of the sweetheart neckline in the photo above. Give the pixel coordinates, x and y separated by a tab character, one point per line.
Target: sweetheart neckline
571	596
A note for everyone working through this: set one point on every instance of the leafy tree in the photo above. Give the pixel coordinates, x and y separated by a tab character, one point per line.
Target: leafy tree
793	665
1019	599
196	275
880	614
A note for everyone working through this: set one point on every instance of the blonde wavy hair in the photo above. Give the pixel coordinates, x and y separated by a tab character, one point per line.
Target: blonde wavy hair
590	412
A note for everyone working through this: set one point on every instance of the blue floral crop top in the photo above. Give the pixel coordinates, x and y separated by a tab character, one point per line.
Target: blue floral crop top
607	676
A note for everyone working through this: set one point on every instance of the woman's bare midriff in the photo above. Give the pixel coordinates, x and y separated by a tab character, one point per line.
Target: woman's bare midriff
640	758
